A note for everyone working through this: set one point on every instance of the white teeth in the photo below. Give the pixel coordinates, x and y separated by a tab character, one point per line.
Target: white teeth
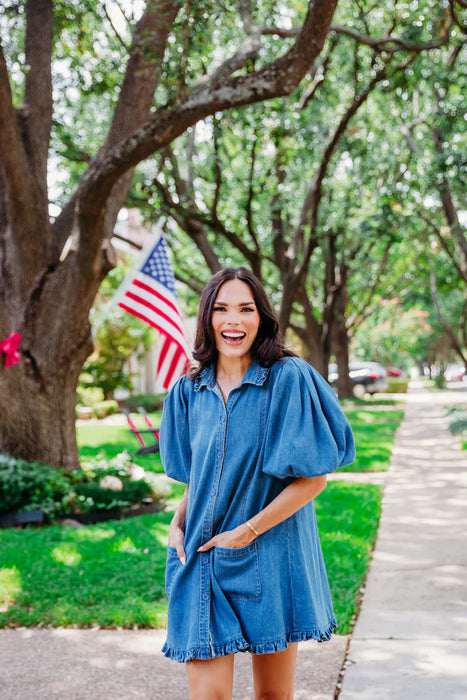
233	334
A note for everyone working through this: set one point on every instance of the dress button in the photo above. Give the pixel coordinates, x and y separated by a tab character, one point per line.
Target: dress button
205	596
222	419
205	559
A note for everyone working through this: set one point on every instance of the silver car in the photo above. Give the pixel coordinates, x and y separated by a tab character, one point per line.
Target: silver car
367	377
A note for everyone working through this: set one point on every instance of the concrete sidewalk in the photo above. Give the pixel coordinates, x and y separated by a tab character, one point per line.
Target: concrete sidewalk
69	664
410	641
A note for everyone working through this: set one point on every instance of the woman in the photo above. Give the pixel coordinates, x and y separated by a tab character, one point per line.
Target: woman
252	431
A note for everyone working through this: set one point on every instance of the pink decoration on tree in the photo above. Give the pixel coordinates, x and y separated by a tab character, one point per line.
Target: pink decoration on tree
10	348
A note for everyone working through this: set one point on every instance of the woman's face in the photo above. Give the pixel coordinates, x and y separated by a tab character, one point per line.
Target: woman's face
235	319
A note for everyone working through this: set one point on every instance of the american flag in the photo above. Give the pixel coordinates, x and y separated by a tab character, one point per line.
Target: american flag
149	294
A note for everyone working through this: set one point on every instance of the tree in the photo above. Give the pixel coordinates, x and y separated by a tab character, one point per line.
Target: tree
302	194
46	292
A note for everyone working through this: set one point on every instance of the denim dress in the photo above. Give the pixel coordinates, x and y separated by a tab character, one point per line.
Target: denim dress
278	424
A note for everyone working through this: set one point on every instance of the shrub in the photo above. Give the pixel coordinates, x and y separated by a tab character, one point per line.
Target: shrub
89	395
397	385
105	408
91	497
95	469
30	485
150	402
457	419
459	426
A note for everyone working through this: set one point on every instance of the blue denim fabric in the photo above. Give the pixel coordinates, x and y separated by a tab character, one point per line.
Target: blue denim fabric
278	424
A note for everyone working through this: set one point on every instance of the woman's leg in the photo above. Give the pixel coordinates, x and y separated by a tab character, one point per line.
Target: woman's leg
273	674
211	679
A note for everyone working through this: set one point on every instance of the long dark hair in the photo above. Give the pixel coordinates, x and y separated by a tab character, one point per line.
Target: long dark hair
268	346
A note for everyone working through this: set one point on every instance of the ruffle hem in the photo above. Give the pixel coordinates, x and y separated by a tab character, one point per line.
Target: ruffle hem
240	644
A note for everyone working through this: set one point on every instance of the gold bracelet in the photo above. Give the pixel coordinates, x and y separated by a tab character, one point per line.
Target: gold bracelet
252	528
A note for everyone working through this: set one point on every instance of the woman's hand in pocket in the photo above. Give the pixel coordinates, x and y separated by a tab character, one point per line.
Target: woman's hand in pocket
240	536
177	540
177	528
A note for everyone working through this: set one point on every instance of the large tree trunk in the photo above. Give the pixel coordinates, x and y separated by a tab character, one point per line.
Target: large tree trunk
49	303
38	395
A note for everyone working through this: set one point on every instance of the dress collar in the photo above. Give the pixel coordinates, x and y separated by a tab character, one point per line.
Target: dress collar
255	374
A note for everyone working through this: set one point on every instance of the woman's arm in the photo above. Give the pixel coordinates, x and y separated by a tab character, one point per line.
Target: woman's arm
177	528
291	499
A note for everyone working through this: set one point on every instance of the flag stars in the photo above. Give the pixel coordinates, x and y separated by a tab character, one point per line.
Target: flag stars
158	266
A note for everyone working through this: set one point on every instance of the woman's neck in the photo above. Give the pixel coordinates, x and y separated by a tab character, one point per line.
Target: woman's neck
232	368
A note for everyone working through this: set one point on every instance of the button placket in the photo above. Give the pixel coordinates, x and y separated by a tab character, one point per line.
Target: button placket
205	593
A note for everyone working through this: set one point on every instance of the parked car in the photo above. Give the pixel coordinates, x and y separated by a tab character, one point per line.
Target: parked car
454	373
367	377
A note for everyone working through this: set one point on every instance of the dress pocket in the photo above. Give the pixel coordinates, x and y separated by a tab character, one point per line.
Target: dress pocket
237	571
171	568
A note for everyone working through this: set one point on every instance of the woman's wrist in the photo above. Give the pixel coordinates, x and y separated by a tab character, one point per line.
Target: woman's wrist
252	528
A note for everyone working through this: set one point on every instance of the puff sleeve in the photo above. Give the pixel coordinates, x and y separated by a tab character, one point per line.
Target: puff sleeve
174	437
306	432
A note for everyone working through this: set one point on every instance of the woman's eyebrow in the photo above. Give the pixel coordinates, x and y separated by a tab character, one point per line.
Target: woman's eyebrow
244	303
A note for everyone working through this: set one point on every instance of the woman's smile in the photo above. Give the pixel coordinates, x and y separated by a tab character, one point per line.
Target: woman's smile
233	337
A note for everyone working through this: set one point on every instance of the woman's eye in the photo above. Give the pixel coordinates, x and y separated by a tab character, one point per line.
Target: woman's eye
247	309
219	308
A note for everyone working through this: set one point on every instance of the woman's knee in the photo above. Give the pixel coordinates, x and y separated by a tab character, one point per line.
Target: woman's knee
211	679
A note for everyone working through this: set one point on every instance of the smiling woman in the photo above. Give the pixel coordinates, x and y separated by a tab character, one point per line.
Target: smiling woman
252	431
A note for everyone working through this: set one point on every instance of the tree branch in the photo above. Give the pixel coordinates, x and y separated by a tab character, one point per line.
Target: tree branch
16	177
314	193
318	75
364	311
115	30
384	42
277	223
454	15
249	214
449	331
278	78
249	50
449	207
217	172
187	279
133	108
38	88
452	254
380	43
190	222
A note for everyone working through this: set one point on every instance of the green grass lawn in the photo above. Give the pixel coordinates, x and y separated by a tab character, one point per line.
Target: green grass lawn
348	516
112	574
369	401
374	436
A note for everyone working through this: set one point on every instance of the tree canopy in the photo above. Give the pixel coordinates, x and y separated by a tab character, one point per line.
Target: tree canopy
325	142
